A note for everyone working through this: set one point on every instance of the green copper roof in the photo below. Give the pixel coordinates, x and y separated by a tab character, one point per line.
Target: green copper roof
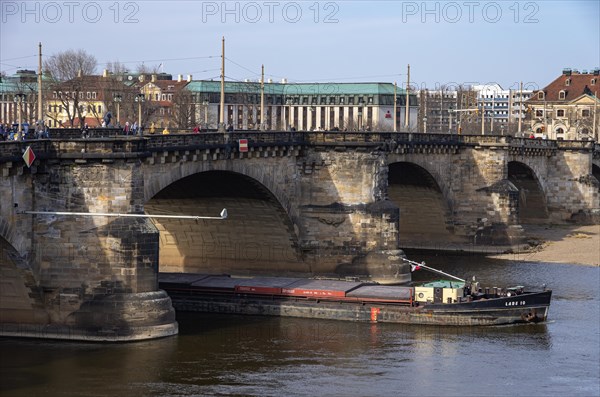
296	88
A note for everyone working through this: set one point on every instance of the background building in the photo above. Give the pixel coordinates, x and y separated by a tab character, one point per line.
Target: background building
306	106
567	108
18	94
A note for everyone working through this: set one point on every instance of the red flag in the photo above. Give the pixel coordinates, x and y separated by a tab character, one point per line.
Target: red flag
414	267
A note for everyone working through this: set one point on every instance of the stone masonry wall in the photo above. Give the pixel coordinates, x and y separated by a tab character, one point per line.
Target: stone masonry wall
80	257
344	216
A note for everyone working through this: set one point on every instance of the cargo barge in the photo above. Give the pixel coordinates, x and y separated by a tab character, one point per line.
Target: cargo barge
441	302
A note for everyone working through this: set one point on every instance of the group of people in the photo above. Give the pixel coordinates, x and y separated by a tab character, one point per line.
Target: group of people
12	132
133	129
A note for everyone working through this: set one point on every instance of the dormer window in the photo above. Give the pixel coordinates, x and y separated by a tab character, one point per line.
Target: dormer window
541	95
562	94
593	82
568	82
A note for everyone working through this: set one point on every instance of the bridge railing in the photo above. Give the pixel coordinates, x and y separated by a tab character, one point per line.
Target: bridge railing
576	144
71	143
214	139
71	148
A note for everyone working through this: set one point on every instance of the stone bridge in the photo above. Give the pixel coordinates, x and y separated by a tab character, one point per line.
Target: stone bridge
331	204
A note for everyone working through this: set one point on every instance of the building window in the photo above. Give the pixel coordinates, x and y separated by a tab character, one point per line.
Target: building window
560	113
568	82
94	95
89	95
560	131
593	82
539	113
541	95
585	113
561	95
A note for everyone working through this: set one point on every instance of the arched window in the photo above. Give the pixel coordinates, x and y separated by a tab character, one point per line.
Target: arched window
561	94
560	131
541	95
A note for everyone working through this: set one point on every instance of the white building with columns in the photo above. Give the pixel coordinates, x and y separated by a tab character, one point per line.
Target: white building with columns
305	106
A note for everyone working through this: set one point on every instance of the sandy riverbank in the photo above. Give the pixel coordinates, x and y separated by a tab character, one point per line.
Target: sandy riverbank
561	244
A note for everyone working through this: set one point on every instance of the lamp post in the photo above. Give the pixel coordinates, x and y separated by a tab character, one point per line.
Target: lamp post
19	99
139	98
117	99
205	103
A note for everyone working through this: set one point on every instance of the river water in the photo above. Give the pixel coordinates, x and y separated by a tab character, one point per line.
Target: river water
261	356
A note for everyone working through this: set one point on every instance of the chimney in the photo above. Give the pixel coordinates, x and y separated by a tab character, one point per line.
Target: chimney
179	78
105	73
153	78
189	78
79	73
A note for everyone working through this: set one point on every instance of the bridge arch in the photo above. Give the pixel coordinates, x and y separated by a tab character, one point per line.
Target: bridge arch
273	175
6	231
532	198
596	171
258	237
425	212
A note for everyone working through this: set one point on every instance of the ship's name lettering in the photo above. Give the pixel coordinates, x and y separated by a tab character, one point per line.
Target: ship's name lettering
515	303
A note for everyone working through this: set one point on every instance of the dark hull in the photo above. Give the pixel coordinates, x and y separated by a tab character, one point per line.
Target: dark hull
524	308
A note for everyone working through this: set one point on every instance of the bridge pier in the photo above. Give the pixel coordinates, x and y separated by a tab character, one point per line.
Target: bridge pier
83	277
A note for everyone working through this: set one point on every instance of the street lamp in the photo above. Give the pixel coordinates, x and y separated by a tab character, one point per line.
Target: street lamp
117	99
205	103
139	98
19	99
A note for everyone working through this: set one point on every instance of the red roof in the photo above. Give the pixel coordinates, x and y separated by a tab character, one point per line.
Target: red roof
574	85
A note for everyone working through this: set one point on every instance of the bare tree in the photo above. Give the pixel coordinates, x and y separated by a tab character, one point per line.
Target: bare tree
66	71
148	69
183	110
70	64
116	68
